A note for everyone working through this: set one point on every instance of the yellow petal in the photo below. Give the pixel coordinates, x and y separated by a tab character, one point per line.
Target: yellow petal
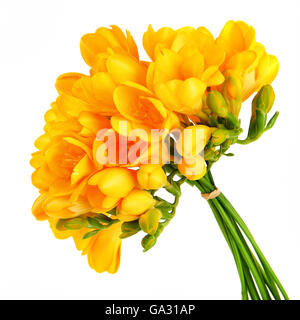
82	244
267	71
58	233
37	208
83	168
167	66
79	144
137	202
104	254
241	62
92	44
37	159
64	83
93	122
182	96
125	68
114	182
162	38
212	76
231	38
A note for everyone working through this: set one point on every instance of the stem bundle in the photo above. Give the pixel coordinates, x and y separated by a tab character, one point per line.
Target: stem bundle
258	280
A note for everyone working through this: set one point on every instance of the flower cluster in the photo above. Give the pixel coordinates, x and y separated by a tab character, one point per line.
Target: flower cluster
193	81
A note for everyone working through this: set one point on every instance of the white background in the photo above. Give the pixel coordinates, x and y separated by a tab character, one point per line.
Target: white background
39	41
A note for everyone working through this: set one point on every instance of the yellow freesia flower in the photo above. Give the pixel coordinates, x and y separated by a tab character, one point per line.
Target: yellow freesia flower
247	57
185	62
92	45
103	250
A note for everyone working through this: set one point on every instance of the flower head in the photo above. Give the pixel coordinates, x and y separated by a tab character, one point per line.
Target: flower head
112	137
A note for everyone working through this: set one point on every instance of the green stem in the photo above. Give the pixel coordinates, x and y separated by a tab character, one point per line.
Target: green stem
258	279
268	274
230	223
259	253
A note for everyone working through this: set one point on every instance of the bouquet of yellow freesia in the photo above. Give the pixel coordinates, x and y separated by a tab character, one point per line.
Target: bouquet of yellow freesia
117	136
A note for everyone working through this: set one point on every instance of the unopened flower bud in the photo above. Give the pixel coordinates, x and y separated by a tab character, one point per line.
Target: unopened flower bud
265	98
210	155
114	182
261	105
149	221
217	103
130	226
193	168
193	140
221	135
134	204
148	242
151	176
232	92
219	106
75	223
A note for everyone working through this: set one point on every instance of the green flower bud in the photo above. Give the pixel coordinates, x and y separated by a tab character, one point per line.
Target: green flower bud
149	221
232	92
261	105
217	103
148	242
210	155
221	135
219	106
131	226
265	99
71	224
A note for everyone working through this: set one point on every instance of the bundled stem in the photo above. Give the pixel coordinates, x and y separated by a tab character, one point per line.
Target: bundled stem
258	280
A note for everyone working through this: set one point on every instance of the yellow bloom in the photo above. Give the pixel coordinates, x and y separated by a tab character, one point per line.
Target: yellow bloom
137	104
151	176
105	251
247	57
134	204
185	62
92	45
193	168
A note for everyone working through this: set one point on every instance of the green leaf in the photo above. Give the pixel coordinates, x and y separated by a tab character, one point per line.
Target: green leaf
60	225
75	223
103	218
272	121
90	234
93	223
